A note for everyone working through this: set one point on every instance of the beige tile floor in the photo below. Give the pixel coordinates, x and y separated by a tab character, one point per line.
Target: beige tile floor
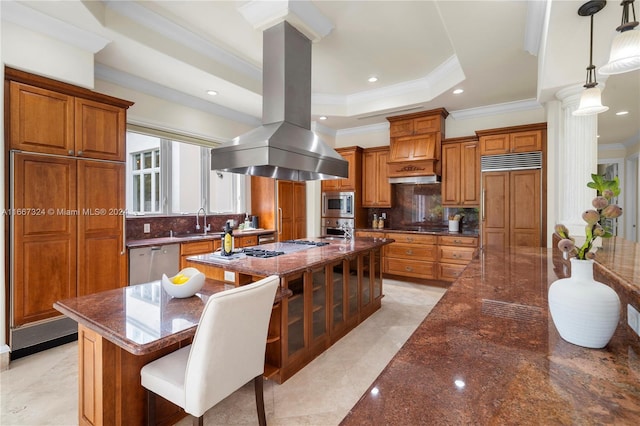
41	389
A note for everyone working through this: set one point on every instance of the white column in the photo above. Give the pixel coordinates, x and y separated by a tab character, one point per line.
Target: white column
577	159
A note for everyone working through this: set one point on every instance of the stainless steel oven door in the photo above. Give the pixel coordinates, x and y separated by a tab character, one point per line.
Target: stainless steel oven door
336	227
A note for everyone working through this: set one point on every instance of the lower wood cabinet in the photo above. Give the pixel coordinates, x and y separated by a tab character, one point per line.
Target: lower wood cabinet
454	254
197	247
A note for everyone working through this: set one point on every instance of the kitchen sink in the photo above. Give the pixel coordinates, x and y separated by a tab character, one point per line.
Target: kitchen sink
193	236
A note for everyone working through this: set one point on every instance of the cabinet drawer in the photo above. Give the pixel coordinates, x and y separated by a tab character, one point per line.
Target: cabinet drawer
462	255
411	251
410	268
451	240
370	234
198	247
247	241
449	271
412	238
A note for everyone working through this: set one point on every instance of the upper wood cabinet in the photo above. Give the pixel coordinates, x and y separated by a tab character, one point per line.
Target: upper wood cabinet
460	172
51	117
353	155
281	205
416	137
376	189
511	140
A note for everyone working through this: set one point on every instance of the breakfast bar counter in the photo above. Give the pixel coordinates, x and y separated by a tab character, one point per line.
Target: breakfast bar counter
489	353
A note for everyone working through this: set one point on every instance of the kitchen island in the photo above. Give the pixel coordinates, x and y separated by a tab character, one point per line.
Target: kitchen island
489	353
323	294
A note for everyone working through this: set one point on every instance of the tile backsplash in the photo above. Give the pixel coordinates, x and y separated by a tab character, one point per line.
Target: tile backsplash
160	226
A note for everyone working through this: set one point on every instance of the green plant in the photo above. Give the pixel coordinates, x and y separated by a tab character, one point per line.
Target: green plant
603	209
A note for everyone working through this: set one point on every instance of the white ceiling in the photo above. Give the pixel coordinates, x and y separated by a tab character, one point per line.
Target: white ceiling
419	50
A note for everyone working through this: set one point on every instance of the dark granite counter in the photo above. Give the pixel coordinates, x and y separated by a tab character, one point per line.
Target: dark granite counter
488	353
193	237
294	262
143	318
425	230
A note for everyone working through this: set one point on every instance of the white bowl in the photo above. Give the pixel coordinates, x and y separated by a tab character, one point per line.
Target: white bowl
189	288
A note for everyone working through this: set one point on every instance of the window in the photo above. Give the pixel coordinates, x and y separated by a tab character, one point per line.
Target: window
168	176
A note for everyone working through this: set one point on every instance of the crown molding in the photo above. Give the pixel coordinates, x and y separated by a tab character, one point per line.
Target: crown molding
504	108
303	15
37	21
133	82
534	26
179	34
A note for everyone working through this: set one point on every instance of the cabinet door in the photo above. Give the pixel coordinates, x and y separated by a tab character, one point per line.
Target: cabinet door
414	148
300	210
526	141
401	128
369	179
101	255
495	210
451	174
383	192
495	144
427	124
470	174
338	293
318	307
99	131
40	120
525	208
349	183
44	244
294	340
331	185
285	210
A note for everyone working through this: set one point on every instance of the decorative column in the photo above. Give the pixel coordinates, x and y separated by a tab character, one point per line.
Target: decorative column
577	159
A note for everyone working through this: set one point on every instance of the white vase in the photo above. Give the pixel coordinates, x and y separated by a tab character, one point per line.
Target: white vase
585	312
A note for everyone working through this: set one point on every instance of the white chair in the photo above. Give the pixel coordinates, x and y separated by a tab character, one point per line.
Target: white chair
227	351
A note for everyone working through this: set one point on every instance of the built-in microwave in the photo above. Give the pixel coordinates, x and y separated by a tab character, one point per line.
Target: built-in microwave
337	204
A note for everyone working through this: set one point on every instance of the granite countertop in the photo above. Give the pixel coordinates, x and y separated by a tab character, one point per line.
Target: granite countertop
425	230
294	262
143	318
193	237
489	353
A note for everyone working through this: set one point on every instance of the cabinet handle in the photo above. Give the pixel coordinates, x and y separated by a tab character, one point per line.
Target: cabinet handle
70	152
408	268
409	240
124	235
457	241
80	152
409	252
484	191
280	220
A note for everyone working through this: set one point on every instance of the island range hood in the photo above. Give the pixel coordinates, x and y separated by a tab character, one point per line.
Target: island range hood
284	147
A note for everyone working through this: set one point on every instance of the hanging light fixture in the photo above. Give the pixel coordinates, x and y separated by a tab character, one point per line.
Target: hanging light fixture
591	99
625	49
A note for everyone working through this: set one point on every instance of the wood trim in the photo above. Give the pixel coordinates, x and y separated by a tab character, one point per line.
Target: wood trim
66	88
443	112
522	128
460	139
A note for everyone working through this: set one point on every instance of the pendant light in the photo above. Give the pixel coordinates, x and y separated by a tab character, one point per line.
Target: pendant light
625	49
590	101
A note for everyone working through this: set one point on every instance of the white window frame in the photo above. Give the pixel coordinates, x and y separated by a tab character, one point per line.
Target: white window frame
153	171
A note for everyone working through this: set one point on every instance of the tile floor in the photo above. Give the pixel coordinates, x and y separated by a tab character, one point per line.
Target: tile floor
41	389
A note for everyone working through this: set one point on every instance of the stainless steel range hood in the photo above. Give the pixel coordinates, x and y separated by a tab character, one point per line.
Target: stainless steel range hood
284	147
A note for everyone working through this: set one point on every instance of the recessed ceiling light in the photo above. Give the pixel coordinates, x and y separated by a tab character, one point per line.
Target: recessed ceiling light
458	91
212	92
622	112
372	79
322	117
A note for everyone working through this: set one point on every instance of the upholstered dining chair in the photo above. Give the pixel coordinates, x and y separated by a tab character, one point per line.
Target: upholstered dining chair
227	352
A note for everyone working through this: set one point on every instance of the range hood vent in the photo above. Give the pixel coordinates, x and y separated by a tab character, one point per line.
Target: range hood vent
284	147
522	161
415	179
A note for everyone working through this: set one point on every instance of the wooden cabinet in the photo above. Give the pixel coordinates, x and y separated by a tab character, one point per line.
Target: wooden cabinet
454	254
193	248
511	211
71	242
417	124
246	241
512	140
353	155
415	148
281	205
376	189
411	255
50	122
460	172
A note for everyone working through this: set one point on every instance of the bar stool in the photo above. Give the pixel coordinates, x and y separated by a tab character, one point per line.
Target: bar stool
227	351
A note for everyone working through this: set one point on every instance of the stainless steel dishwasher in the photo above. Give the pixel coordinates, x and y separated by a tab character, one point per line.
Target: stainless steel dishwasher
149	263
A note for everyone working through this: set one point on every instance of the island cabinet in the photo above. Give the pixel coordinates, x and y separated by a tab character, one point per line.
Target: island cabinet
376	189
67	151
353	155
411	255
198	247
460	172
454	254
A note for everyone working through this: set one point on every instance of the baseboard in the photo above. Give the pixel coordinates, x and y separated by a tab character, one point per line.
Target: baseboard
19	353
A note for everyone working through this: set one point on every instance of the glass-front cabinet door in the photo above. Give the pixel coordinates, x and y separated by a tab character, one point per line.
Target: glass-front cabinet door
352	288
376	267
337	276
295	338
364	261
319	318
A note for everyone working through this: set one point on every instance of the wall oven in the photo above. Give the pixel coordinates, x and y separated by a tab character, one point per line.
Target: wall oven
338	204
336	227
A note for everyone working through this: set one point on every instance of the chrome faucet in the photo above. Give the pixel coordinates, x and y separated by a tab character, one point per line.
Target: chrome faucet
348	232
207	228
